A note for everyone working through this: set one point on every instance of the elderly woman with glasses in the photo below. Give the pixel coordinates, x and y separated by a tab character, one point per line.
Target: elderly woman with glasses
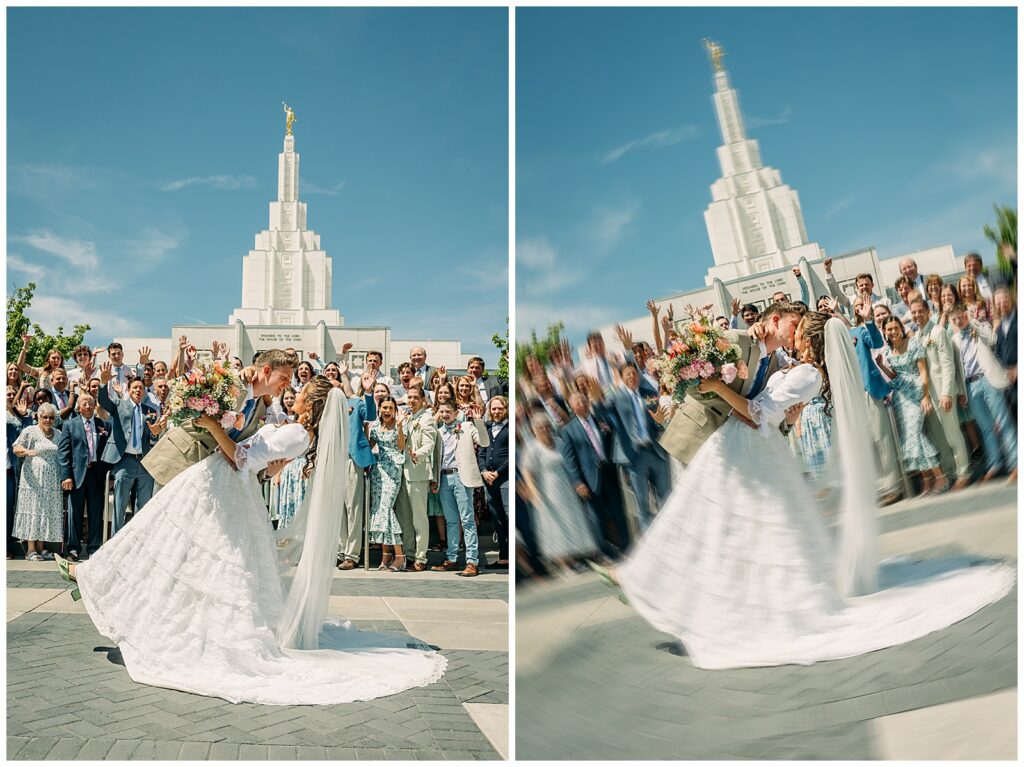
38	517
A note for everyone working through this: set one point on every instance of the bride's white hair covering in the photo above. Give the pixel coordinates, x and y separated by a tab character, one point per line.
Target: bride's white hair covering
858	553
311	539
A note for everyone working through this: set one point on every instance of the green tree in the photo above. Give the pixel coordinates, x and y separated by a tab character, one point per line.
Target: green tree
502	345
1004	237
539	347
18	323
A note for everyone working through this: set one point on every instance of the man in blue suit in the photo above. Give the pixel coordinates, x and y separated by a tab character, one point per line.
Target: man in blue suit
866	338
586	446
131	438
83	474
636	446
1006	340
360	459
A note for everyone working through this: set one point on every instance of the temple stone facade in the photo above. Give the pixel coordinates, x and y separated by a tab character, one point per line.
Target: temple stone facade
287	301
757	233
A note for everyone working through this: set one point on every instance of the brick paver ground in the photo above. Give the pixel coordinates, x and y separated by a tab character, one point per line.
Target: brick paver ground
69	697
620	689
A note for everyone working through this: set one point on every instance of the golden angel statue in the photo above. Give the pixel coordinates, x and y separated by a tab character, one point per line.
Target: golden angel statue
716	52
289	119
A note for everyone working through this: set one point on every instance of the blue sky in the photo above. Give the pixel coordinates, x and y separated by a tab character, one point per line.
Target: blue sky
897	128
142	155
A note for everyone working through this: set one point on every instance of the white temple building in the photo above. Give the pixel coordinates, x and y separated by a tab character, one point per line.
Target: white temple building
286	298
757	233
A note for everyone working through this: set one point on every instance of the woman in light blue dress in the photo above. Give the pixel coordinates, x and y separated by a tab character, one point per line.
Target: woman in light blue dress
291	486
387	435
904	361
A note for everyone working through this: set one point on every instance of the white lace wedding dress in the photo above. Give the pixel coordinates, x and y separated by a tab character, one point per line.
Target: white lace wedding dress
739	566
191	592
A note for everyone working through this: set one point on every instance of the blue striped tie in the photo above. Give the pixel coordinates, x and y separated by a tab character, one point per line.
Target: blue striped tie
250	408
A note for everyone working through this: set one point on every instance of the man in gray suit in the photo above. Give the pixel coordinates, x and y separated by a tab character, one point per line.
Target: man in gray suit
186	445
697	419
132	421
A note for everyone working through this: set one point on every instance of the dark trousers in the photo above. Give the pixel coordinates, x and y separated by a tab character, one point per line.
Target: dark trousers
609	508
649	470
497	496
87	500
12	488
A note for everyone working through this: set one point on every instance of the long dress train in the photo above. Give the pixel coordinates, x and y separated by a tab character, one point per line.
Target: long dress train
191	592
739	566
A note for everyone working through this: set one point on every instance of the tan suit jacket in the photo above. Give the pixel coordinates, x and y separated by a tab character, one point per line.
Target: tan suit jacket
697	419
421	438
186	445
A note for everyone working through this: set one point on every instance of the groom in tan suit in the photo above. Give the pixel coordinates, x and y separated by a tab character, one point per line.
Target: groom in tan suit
185	445
697	419
421	469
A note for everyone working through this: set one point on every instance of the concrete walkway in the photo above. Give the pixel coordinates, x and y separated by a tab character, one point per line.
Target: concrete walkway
595	681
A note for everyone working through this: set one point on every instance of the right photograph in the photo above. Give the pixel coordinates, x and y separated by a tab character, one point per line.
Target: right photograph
766	383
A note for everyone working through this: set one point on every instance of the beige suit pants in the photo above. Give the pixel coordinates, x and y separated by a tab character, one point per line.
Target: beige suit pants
350	542
943	431
411	510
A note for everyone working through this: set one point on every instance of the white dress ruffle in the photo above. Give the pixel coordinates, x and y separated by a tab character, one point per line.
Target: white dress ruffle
191	592
739	566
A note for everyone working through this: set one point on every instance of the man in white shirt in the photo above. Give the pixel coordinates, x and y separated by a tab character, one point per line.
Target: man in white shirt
488	386
973	265
457	499
374	359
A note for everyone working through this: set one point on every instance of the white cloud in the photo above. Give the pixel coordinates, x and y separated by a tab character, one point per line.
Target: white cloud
990	163
577	318
782	118
608	226
541	271
310	188
659	140
214	182
52	311
485	276
32	271
149	250
80	253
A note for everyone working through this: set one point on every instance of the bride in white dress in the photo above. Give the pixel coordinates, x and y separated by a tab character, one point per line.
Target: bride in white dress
738	564
192	593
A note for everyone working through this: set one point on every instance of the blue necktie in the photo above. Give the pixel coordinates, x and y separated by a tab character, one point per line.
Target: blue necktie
137	428
759	379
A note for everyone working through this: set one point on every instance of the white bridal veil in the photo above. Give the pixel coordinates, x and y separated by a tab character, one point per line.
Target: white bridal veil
853	467
311	540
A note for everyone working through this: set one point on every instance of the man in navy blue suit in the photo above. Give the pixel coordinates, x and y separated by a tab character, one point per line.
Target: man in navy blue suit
586	446
493	463
132	421
1006	340
636	447
83	472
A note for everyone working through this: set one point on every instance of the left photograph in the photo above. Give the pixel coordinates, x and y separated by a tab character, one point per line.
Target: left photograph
257	414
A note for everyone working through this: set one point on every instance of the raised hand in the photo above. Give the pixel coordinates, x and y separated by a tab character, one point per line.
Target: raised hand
442	373
366	379
144	355
653	307
106	372
827	263
833	307
624	336
314	356
796	272
345	347
183	342
735	307
671	313
26	338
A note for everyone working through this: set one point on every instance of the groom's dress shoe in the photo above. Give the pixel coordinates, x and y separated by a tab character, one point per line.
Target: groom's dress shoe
417	567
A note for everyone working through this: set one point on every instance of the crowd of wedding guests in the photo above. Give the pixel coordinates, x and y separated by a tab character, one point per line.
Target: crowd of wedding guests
425	444
939	364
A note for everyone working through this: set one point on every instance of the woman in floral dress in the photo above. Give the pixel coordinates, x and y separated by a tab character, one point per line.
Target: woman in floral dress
904	361
291	486
387	435
39	516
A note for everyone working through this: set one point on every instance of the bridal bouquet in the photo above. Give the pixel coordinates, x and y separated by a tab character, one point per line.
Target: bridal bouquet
210	388
698	350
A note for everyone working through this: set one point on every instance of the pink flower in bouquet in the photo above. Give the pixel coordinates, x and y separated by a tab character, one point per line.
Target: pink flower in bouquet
687	373
228	419
212	409
194	403
729	371
706	369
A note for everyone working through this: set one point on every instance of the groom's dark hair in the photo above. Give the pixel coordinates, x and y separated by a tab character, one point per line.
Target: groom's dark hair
784	307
